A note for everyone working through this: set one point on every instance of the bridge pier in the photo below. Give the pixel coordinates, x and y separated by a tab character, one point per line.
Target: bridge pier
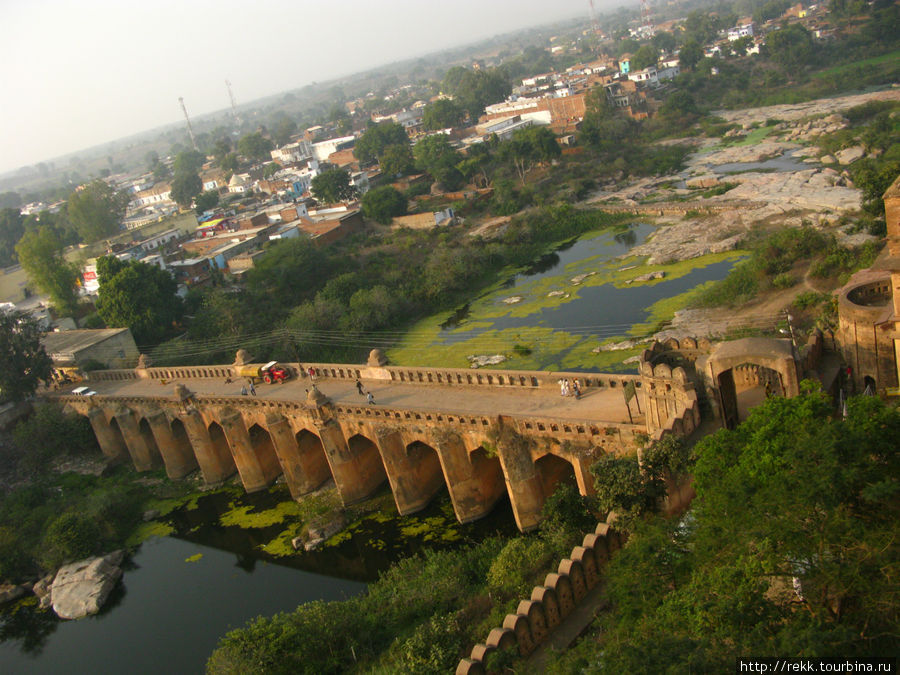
524	485
357	471
475	481
303	471
257	466
144	455
414	472
176	450
216	463
111	444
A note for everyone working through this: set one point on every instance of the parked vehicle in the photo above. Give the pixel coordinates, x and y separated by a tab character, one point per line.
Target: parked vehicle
272	372
268	373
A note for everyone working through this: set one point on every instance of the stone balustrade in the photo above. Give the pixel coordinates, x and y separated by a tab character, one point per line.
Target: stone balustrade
467	377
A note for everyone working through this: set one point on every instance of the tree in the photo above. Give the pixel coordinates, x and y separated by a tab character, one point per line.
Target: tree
647	55
188	161
381	204
791	46
664	41
284	128
96	210
527	146
186	186
12	227
691	54
396	160
442	114
23	361
255	146
376	139
474	89
40	253
137	296
152	159
333	185
436	156
790	547
206	200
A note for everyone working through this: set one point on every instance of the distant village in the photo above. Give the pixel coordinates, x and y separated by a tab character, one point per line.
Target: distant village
258	205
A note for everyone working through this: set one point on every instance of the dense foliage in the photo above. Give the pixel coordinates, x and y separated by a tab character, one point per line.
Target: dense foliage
96	210
138	296
53	518
772	258
23	361
790	548
383	203
332	185
40	253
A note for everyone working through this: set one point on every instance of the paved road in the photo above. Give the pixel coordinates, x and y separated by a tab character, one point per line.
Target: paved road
600	405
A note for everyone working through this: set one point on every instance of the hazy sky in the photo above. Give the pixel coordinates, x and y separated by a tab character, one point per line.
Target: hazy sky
76	74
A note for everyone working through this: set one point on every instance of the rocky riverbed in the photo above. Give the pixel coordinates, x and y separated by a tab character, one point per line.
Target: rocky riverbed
803	186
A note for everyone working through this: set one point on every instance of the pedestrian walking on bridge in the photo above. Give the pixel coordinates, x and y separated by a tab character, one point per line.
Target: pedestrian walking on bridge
359	387
370	398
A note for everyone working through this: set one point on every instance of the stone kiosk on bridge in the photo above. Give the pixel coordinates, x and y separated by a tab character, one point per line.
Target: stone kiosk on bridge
480	433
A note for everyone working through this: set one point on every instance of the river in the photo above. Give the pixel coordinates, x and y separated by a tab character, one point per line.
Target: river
181	593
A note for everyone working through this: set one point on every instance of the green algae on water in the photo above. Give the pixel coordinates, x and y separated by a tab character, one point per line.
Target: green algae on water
145	531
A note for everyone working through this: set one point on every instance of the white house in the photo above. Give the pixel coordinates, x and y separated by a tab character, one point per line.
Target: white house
744	30
293	152
649	76
323	149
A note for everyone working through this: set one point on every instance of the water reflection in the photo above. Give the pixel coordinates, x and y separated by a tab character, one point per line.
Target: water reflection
181	594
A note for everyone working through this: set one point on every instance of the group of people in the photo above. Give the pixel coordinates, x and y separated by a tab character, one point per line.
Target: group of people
362	392
567	389
248	387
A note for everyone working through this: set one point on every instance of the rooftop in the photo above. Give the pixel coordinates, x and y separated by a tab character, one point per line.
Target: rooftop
73	341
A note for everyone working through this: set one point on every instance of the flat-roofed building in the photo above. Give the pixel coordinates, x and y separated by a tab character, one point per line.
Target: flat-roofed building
112	347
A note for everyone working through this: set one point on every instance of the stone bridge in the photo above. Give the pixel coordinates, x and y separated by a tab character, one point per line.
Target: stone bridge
479	433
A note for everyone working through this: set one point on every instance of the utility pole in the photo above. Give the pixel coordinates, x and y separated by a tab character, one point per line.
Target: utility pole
188	120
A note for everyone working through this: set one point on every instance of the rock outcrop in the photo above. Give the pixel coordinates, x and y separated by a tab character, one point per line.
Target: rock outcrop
81	588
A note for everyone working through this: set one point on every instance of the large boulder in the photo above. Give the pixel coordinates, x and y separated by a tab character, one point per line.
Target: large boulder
82	587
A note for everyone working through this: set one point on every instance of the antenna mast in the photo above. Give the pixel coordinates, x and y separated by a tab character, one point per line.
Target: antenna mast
188	120
646	25
237	120
595	25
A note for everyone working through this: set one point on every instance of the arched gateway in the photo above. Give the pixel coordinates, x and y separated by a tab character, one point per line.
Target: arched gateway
742	372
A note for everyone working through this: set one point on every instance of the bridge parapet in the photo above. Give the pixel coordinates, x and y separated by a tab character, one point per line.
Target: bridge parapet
467	377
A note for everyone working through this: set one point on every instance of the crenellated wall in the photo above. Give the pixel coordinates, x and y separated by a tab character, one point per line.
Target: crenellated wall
549	604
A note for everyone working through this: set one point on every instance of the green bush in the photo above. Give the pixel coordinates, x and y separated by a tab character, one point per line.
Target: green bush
434	648
49	433
72	536
512	572
784	280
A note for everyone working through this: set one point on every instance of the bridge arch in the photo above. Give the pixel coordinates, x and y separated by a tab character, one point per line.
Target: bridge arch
554	471
264	450
313	469
220	448
146	433
357	467
413	469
